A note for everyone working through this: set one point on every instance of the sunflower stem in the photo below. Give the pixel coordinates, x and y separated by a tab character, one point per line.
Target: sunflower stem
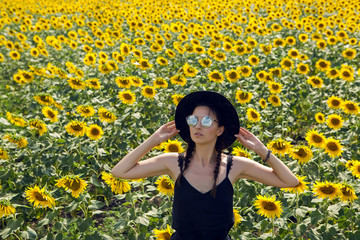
273	227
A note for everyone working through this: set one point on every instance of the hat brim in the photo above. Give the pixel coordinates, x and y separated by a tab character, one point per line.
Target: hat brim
222	106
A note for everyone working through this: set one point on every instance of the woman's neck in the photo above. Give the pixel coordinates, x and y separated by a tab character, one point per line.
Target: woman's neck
204	155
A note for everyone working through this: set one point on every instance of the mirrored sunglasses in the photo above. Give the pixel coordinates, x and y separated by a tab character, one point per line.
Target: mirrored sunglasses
206	121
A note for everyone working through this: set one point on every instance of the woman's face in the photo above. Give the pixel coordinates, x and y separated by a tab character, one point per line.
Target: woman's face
203	135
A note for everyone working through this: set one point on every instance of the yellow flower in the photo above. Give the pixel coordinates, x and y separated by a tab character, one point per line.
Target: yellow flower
75	184
162	61
123	82
50	113
106	115
303	68
316	139
279	146
94	132
118	186
302	187
346	74
350	107
326	190
205	62
160	83
15	55
334	121
243	97
163	234
232	75
189	71
263	103
85	110
301	153
44	99
3	154
286	64
165	185
347	193
253	60
127	97
173	146
238	151
148	92
293	53
176	98
76	128
349	53
252	115
268	206
17	139
320	117
76	83
315	81
333	147
334	102
323	65
178	80
332	73
6	209
274	100
355	169
237	217
39	197
93	83
275	87
216	76
143	64
266	48
39	125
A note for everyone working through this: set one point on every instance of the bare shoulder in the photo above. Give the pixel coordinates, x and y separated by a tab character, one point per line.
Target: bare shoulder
239	165
171	161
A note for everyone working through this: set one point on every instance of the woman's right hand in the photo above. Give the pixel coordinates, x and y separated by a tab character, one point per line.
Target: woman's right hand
165	132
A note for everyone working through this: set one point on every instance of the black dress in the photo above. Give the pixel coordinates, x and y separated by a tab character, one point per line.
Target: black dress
198	215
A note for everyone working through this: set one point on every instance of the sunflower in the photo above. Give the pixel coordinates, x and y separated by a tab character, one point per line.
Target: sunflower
315	81
237	217
350	163
170	53
274	100
85	110
189	71
6	209
275	87
350	107
334	102
125	49
346	74
205	62
355	169
232	75
44	99
275	72
245	71
333	147
165	185
75	184
93	83
39	197
123	82
316	139
118	186
332	73
252	115
219	56
148	92
334	121
300	188
163	234
160	83
15	55
323	65
347	193
50	113
76	83
178	80
349	53
279	146
243	97
253	60
266	48
268	206
303	68
301	153
319	117
162	61
238	151
94	132
143	64
106	115
39	125
17	139
326	190
3	154
293	53
286	63
216	76
263	103
76	128
16	120
303	37
176	98
173	146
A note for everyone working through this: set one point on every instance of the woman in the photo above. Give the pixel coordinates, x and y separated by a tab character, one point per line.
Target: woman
203	194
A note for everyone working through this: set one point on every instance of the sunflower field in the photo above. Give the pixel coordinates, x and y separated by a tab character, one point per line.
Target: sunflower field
83	82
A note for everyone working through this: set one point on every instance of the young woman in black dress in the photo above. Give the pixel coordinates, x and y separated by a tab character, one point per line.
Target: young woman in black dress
204	175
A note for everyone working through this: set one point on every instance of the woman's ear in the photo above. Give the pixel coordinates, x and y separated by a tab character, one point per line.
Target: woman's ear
220	131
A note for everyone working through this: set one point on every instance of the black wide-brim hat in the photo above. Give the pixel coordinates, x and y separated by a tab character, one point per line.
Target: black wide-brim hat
221	105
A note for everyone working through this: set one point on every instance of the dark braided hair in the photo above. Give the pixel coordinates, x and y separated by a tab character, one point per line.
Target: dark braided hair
189	151
216	171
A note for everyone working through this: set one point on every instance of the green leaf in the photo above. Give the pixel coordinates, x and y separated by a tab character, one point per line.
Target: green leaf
120	224
142	220
85	224
94	180
333	210
95	204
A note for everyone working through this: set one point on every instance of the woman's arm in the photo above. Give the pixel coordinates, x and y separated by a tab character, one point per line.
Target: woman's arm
130	167
279	175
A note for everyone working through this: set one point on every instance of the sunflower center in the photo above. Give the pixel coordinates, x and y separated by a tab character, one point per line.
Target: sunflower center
44	99
173	148
233	75
349	53
327	190
279	146
323	65
166	184
74	185
253	114
335	121
243	96
315	81
106	115
76	82
95	131
317	138
335	102
287	63
77	127
346	74
51	114
128	96
346	191
333	72
39	197
275	100
350	106
149	91
332	146
269	206
85	110
245	70
301	153
216	76
302	68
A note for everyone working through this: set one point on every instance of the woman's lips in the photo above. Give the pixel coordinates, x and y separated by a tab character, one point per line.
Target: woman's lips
198	134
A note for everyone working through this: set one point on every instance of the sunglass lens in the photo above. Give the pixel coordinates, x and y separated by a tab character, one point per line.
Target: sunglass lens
191	120
206	121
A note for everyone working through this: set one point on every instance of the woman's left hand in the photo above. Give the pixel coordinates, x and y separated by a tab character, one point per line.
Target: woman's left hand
249	140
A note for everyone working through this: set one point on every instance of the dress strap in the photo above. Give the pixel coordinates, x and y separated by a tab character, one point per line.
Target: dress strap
229	164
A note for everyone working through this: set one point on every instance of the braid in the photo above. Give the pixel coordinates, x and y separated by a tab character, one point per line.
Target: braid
189	151
217	167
